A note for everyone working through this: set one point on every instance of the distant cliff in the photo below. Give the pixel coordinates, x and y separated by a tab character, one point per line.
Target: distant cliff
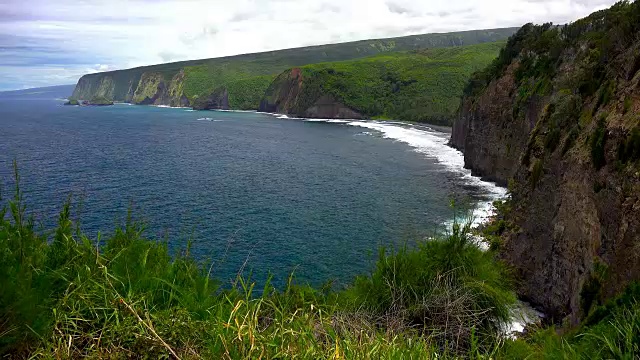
557	117
422	85
245	78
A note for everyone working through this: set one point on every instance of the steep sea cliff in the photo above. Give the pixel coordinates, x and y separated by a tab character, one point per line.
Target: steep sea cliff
556	117
240	82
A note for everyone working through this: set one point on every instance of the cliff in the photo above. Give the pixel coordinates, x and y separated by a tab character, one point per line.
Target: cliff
290	94
246	77
218	99
556	116
422	85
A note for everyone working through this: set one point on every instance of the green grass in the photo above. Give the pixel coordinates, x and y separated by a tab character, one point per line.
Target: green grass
65	295
422	86
612	331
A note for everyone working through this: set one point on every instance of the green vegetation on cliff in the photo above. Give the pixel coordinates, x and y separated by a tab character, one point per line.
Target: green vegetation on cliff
100	101
556	116
246	82
248	73
420	85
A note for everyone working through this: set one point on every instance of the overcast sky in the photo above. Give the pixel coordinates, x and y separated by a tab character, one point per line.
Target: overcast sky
52	42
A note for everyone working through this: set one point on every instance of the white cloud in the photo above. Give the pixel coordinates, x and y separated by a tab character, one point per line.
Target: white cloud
120	34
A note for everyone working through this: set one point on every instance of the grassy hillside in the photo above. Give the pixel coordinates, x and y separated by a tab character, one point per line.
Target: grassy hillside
203	76
423	85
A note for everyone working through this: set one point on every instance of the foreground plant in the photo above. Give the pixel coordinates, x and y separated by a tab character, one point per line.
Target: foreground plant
67	296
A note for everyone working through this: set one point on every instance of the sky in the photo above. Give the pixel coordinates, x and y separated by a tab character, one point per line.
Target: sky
54	42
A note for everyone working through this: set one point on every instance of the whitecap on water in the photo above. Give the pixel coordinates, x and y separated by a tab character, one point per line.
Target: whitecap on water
239	111
434	144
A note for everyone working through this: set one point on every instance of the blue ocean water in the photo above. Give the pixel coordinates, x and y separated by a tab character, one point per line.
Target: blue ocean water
251	191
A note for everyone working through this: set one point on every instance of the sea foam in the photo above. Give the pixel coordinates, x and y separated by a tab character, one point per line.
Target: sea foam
434	144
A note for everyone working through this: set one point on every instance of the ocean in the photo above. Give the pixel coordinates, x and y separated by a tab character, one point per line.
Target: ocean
252	192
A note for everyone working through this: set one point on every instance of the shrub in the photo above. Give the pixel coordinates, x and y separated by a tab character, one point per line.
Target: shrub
590	294
552	139
571	139
629	148
598	141
536	173
627	105
445	287
69	297
606	92
612	331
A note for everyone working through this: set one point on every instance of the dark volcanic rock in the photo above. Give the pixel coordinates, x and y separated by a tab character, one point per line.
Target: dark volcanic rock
570	215
218	99
497	139
289	95
98	101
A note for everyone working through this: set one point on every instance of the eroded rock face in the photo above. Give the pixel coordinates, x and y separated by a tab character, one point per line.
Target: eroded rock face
90	86
282	94
326	107
176	91
571	215
289	95
492	140
217	100
152	90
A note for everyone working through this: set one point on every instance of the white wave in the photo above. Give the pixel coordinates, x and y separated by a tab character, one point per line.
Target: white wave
434	144
331	121
521	316
281	116
238	111
190	110
337	121
170	107
205	119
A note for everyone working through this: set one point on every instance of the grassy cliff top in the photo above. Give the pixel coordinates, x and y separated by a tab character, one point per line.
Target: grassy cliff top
204	75
419	85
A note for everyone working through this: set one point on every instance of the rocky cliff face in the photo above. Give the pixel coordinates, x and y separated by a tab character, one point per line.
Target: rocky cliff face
88	88
176	91
291	94
152	90
487	132
557	116
217	100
